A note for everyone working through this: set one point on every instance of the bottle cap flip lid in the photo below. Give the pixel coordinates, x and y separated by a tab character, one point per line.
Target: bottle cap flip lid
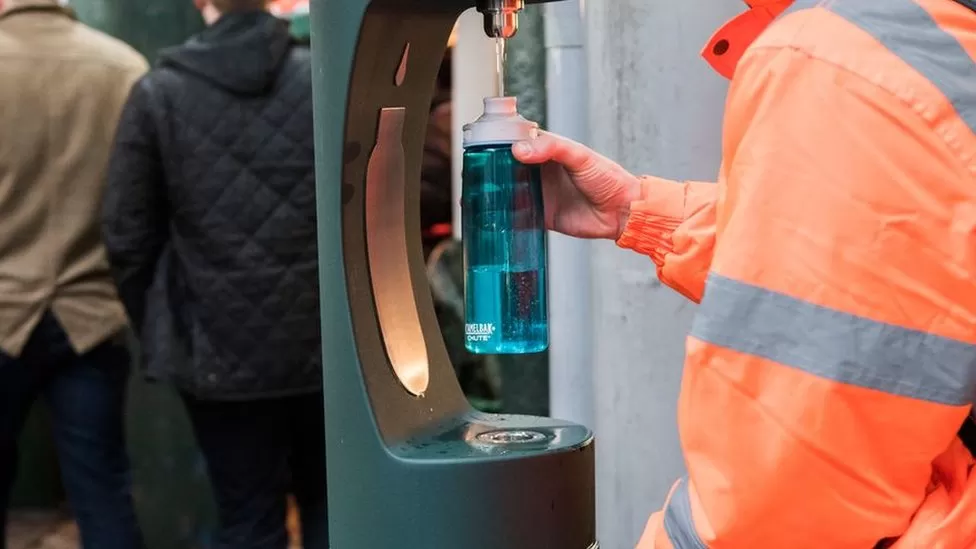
500	124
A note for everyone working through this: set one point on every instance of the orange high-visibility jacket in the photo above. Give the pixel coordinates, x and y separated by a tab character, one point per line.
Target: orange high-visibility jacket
833	357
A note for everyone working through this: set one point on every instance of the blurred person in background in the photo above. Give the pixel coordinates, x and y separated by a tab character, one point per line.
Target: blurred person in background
436	206
209	219
62	87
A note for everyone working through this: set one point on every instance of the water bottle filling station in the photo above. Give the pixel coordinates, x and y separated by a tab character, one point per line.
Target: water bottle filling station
410	462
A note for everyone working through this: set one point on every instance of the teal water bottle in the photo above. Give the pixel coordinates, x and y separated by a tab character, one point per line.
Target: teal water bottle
504	236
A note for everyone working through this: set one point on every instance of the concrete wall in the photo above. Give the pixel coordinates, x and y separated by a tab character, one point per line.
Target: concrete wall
656	107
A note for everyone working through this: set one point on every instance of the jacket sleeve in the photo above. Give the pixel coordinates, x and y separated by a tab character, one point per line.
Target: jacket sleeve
830	363
674	224
134	212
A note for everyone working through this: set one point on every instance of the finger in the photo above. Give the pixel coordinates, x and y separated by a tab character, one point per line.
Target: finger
553	184
548	147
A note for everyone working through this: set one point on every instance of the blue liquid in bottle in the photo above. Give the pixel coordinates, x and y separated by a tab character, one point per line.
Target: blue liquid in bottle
504	233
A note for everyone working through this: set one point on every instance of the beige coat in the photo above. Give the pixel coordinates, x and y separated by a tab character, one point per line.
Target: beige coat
62	88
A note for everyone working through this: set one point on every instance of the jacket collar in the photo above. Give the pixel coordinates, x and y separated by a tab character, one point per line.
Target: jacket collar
14	7
727	45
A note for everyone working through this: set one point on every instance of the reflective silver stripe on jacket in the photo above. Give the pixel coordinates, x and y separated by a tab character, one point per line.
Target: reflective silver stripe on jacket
835	345
909	32
678	523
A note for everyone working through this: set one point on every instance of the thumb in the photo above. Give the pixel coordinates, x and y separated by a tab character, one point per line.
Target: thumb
536	150
548	147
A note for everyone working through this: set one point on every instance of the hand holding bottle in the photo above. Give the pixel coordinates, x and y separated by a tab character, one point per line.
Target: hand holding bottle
586	195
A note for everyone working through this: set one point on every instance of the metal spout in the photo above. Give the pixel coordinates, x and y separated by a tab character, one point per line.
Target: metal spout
501	17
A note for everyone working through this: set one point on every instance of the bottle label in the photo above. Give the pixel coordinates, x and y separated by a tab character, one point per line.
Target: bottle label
479	332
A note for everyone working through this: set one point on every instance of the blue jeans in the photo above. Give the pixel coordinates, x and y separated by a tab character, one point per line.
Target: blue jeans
86	397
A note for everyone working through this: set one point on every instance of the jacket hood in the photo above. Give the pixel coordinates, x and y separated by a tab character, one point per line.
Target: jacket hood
241	52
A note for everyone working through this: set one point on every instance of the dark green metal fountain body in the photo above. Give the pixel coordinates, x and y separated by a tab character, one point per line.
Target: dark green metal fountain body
413	468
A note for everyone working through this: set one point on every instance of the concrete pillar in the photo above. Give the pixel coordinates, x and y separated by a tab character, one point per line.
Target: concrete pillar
655	107
570	352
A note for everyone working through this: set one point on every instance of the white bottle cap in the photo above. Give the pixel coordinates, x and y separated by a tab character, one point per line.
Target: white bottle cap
500	124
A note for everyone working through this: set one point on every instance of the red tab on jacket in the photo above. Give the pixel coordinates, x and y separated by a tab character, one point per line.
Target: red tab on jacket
731	41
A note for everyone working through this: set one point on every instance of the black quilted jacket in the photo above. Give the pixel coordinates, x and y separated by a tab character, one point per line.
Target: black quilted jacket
209	215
